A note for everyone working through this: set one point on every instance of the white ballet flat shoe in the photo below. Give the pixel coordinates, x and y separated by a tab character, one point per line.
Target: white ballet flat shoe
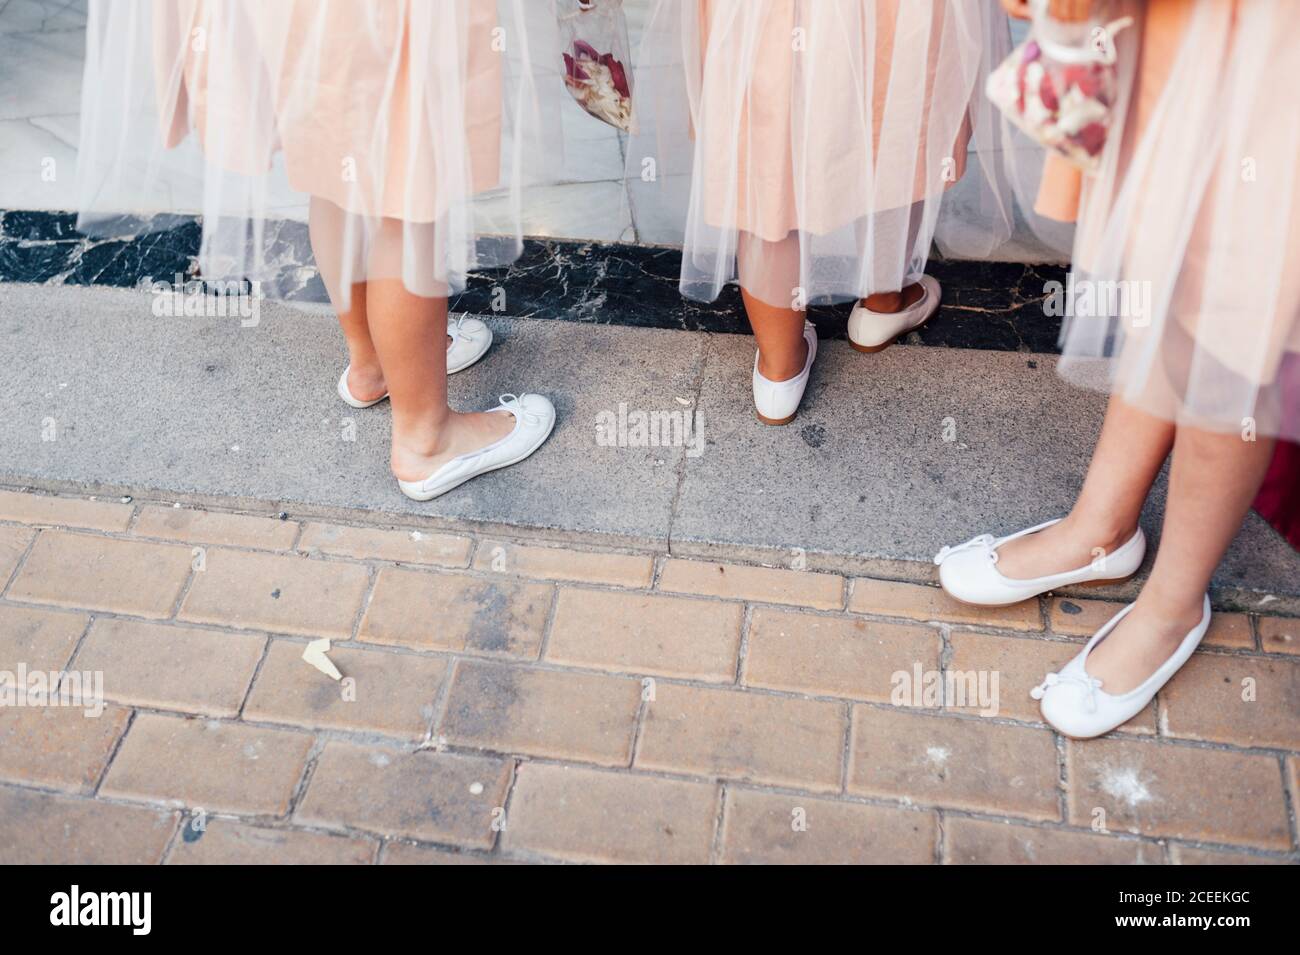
470	341
875	331
969	571
1074	702
346	394
776	402
534	418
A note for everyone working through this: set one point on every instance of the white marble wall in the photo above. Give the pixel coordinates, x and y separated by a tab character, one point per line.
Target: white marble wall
41	47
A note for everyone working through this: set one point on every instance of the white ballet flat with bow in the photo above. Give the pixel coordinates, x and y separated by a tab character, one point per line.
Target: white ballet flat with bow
1074	702
470	341
969	572
875	331
534	418
776	402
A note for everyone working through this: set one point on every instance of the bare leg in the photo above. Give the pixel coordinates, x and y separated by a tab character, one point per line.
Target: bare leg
326	224
890	302
1130	452
365	374
773	268
782	350
409	333
1212	480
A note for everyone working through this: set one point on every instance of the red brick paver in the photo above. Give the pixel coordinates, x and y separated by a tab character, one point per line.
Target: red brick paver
426	611
226	767
171	668
438	797
780	828
380	692
561	715
586	815
42	639
968	763
646	633
222	842
1188	792
102	573
997	842
59	830
771	739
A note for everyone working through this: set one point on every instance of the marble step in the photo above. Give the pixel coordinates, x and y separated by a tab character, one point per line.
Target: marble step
987	305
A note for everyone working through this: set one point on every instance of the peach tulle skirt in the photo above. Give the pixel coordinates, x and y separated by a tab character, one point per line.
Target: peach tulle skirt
350	112
807	146
387	118
1196	212
752	133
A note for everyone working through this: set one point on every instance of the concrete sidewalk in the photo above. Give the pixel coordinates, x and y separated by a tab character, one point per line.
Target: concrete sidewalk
892	455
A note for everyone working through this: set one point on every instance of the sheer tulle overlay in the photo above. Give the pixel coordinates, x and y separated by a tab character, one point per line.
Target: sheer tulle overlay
1186	291
402	130
813	149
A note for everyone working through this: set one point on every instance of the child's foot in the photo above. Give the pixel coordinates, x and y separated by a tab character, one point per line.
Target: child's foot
993	571
1147	636
886	303
1057	549
502	437
779	390
880	319
1123	667
414	459
786	366
366	384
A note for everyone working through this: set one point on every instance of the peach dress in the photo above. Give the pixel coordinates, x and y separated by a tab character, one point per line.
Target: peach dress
351	114
1197	206
822	138
399	111
752	134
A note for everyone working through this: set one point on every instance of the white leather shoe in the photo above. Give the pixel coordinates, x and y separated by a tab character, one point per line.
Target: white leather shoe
534	418
470	340
346	394
875	331
1074	702
969	571
777	401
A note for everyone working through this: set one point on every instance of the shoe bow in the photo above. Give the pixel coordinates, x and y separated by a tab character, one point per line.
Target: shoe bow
456	330
514	404
983	542
1089	684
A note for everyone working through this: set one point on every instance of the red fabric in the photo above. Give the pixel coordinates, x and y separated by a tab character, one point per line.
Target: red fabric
1279	496
1278	501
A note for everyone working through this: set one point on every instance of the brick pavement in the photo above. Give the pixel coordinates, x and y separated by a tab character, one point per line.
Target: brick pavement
518	701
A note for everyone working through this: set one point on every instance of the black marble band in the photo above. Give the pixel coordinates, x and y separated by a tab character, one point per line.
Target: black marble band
992	305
